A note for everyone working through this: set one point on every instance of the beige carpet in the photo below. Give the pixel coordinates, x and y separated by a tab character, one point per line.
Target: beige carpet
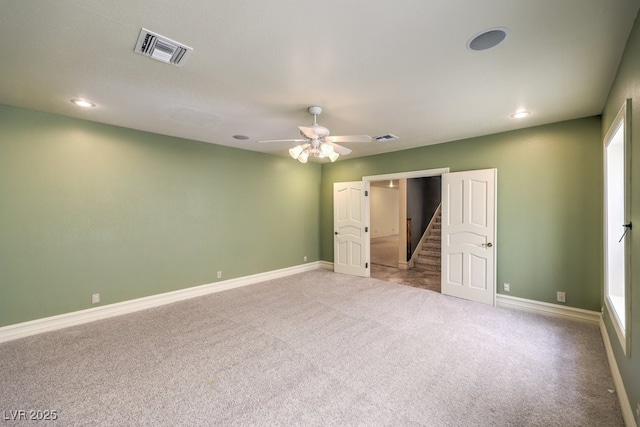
315	349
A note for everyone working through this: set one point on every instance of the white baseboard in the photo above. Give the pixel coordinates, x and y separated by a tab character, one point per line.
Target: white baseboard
625	406
547	308
33	327
384	235
326	265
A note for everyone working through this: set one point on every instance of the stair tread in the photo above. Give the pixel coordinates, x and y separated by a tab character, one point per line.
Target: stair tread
428	259
429	254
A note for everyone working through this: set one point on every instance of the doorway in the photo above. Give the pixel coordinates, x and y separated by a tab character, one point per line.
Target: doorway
468	230
385	208
394	238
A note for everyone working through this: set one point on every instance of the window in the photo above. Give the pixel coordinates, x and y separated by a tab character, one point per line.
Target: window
617	173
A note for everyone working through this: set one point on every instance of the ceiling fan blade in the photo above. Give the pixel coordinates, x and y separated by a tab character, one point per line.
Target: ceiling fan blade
349	138
283	140
339	148
308	132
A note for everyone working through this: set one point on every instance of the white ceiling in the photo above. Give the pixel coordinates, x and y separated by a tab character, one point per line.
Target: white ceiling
375	66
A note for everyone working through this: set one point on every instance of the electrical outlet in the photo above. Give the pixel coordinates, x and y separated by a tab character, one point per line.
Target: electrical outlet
305	258
506	287
561	297
219	274
95	299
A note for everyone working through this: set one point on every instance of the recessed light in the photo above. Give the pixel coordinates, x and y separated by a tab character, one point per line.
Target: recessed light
520	114
241	137
83	103
487	39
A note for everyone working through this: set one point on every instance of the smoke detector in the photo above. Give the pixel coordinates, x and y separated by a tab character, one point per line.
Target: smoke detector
162	48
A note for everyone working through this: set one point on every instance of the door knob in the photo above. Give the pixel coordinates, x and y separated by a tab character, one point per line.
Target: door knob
488	245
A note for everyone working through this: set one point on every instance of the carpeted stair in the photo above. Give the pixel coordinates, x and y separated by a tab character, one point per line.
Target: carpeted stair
428	259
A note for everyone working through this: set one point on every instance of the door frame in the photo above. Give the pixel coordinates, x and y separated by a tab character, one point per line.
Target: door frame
402	234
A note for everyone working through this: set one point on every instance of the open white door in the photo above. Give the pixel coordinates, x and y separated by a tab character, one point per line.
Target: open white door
468	235
351	228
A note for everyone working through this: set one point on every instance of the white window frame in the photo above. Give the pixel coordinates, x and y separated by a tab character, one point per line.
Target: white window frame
622	327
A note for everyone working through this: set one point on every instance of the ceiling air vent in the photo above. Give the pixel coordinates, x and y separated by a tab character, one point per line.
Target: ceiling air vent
162	48
386	138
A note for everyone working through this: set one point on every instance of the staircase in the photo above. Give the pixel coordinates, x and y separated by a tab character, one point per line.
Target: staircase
428	259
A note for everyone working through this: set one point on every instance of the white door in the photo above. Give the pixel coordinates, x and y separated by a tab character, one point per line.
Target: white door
468	235
351	228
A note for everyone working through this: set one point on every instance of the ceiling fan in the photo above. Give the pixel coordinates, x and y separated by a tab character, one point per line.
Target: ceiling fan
318	143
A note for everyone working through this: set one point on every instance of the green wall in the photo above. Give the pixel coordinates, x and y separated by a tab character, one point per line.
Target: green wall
549	203
627	85
88	208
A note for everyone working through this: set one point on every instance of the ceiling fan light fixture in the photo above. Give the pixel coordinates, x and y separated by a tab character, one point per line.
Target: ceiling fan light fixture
326	150
296	151
318	143
304	156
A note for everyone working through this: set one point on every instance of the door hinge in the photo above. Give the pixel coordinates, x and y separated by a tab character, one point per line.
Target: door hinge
366	193
366	229
366	265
